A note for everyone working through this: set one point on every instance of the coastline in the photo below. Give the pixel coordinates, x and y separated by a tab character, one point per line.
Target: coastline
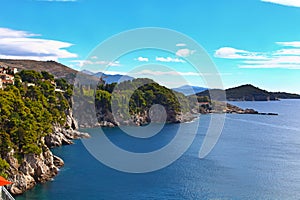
41	168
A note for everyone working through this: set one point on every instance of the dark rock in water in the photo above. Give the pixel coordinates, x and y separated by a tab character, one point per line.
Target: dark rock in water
250	111
272	113
229	108
58	162
268	113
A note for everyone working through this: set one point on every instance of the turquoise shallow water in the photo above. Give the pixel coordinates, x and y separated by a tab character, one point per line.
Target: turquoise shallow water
257	157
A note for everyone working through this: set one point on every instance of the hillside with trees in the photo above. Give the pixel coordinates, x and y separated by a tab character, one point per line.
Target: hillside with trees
57	69
132	107
247	93
30	111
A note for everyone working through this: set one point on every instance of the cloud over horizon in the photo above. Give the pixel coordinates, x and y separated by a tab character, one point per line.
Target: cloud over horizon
293	3
84	63
288	57
169	59
142	59
16	44
184	52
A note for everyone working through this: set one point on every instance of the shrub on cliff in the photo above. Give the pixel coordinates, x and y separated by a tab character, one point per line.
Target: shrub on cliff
27	113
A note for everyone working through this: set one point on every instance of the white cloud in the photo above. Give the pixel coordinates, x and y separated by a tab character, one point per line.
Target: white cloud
169	59
288	52
289	44
293	3
271	66
9	33
180	45
82	63
168	73
148	72
288	58
142	59
16	44
232	53
94	57
276	60
184	52
115	73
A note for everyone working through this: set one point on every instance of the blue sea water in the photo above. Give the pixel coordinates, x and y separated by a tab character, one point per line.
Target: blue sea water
256	157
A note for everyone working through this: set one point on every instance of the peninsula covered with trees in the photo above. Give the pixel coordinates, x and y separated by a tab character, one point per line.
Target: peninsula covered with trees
35	115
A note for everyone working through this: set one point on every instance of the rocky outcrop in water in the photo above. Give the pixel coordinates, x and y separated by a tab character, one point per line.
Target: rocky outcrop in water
32	169
206	108
63	135
140	119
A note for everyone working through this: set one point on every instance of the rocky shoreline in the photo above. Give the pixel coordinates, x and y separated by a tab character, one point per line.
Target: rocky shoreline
229	109
33	169
143	119
41	168
136	120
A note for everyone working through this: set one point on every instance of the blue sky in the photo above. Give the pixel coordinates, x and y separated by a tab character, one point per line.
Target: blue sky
250	41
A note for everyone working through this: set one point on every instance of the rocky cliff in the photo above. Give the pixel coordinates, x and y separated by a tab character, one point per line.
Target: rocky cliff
89	117
32	169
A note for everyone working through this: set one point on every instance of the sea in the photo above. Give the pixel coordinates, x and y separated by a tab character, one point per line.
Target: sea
256	157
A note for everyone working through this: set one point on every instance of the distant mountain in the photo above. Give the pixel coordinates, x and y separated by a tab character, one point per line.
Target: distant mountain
248	93
87	72
218	94
189	90
57	69
109	78
61	71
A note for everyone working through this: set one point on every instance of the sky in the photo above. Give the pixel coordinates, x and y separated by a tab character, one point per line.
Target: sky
250	41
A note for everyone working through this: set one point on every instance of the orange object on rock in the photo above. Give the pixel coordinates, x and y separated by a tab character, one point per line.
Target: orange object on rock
3	181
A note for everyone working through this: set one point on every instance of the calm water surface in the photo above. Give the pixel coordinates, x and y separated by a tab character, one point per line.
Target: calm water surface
257	157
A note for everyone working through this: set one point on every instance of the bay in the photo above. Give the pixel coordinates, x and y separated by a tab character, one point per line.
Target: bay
256	157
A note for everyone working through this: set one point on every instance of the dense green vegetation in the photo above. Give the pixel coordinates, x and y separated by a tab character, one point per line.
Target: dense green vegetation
284	95
247	93
241	93
28	112
146	93
3	167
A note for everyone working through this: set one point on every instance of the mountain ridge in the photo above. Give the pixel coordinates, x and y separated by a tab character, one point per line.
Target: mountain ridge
109	78
189	89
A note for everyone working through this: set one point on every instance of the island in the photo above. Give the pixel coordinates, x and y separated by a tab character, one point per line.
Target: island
247	92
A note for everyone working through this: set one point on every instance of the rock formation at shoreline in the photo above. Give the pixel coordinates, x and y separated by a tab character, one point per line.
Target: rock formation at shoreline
206	108
34	169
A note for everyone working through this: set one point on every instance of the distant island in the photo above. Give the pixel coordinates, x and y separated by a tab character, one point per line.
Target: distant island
247	93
